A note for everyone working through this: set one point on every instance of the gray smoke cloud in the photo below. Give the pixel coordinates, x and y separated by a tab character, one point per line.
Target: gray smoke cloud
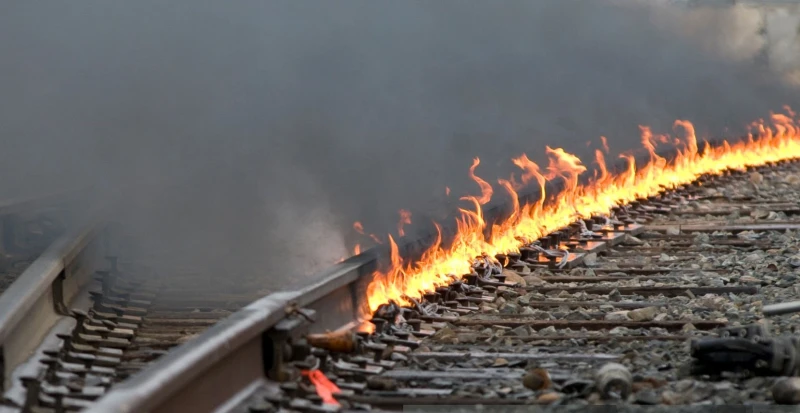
246	137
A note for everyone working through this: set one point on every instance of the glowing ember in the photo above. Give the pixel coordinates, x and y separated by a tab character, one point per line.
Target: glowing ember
325	388
439	265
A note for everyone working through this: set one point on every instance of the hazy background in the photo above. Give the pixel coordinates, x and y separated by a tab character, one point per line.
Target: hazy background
246	137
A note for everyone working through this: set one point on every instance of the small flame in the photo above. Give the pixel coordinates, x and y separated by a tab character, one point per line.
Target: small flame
358	227
439	265
405	219
325	388
486	189
447	190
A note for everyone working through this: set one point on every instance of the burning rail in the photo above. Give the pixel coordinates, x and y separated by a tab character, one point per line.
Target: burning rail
442	264
247	351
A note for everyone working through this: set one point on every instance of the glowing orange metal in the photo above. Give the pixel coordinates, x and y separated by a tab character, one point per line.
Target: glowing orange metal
325	388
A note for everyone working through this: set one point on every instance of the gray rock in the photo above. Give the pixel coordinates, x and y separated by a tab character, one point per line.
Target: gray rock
467	337
618	316
526	299
647	397
754	257
578	315
509	308
723	386
661	317
631	240
643	314
399	357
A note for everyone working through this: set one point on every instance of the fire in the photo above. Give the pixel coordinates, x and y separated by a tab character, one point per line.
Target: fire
486	189
360	229
405	219
440	265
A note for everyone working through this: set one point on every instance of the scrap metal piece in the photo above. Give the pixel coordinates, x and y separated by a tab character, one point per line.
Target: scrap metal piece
614	381
343	341
754	332
781	308
767	357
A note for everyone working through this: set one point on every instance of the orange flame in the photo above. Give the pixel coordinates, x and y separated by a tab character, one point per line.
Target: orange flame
325	388
405	219
440	265
486	189
360	229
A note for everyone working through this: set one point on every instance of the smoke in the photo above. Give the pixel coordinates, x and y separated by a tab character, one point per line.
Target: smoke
245	138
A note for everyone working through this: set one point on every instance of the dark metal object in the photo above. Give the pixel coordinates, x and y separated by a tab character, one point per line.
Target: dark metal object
754	332
614	381
766	357
781	308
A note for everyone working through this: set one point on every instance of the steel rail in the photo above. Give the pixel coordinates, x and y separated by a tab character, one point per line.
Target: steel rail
37	305
237	353
44	292
39	298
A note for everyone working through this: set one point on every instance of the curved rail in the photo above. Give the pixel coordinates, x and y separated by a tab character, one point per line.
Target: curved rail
40	297
206	372
240	352
42	294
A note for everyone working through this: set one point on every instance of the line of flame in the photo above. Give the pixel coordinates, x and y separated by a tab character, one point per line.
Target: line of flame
439	265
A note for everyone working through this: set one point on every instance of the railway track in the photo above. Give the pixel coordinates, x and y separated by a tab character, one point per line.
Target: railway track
41	265
83	312
611	326
122	315
531	328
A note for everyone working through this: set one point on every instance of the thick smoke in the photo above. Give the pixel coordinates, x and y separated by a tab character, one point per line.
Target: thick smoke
246	137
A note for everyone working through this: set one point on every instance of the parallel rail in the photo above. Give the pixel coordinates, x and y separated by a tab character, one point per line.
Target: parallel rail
239	353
